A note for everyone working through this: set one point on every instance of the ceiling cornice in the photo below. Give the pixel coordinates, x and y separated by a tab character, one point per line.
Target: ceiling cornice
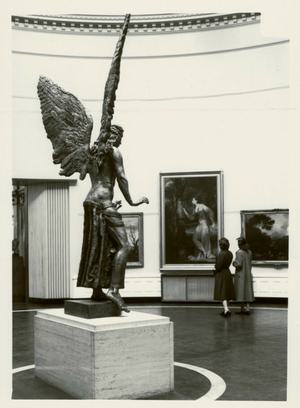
139	24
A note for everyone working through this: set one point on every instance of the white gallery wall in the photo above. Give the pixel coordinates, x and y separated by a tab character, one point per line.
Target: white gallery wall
201	101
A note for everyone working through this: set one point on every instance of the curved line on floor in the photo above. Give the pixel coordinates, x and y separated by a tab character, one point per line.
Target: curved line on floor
217	388
218	385
19	369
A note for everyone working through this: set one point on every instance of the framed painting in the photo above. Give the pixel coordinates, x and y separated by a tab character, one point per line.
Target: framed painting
134	225
266	232
191	219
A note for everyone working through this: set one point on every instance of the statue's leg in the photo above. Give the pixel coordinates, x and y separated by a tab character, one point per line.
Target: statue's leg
114	295
119	237
98	294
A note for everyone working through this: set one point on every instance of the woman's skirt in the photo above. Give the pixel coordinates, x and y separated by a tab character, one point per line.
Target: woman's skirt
224	288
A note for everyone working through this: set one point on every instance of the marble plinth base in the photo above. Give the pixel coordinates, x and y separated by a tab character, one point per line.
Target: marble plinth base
91	309
125	357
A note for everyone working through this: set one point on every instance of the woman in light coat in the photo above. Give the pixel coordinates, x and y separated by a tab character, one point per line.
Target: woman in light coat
243	281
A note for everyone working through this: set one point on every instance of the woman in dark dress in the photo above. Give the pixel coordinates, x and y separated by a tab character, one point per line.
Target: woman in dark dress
224	289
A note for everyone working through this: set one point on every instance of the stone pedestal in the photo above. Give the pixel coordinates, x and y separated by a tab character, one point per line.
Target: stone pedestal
125	357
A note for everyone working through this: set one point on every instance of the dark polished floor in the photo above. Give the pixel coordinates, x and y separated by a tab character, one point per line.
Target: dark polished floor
248	352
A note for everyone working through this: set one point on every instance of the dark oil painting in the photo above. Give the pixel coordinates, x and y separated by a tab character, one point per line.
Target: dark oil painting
134	229
266	232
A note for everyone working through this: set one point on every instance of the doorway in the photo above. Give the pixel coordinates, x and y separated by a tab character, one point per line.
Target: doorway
41	257
19	245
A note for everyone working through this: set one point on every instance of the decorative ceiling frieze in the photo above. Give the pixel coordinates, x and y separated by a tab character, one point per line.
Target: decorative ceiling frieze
139	24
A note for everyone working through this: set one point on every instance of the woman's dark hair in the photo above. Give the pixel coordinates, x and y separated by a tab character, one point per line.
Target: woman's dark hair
242	243
224	243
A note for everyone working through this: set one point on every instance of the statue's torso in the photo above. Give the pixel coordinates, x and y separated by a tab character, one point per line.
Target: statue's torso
103	181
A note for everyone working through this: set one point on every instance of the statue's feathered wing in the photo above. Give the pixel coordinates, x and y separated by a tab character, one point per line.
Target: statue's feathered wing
68	127
66	122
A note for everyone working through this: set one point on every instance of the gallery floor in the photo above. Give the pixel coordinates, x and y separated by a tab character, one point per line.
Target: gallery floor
237	358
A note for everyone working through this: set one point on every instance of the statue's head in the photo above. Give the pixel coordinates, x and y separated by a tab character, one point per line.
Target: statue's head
116	134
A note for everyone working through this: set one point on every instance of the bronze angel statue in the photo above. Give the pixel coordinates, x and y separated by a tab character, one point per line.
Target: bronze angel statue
105	246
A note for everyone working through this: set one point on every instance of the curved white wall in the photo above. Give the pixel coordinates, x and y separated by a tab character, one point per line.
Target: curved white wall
215	110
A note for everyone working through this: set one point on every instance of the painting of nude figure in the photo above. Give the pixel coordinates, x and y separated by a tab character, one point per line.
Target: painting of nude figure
191	219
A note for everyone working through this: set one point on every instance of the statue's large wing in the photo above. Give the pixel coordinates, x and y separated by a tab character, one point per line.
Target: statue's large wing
112	85
68	127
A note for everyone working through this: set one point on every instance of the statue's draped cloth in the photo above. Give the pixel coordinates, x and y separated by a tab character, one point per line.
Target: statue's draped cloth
98	247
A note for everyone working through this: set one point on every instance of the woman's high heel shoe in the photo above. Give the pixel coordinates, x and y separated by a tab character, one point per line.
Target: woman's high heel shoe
225	314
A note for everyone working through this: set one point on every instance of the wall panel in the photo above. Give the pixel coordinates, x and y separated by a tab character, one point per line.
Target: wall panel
48	240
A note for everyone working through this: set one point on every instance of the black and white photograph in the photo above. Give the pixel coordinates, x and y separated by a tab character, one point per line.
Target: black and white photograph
191	218
150	217
267	232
